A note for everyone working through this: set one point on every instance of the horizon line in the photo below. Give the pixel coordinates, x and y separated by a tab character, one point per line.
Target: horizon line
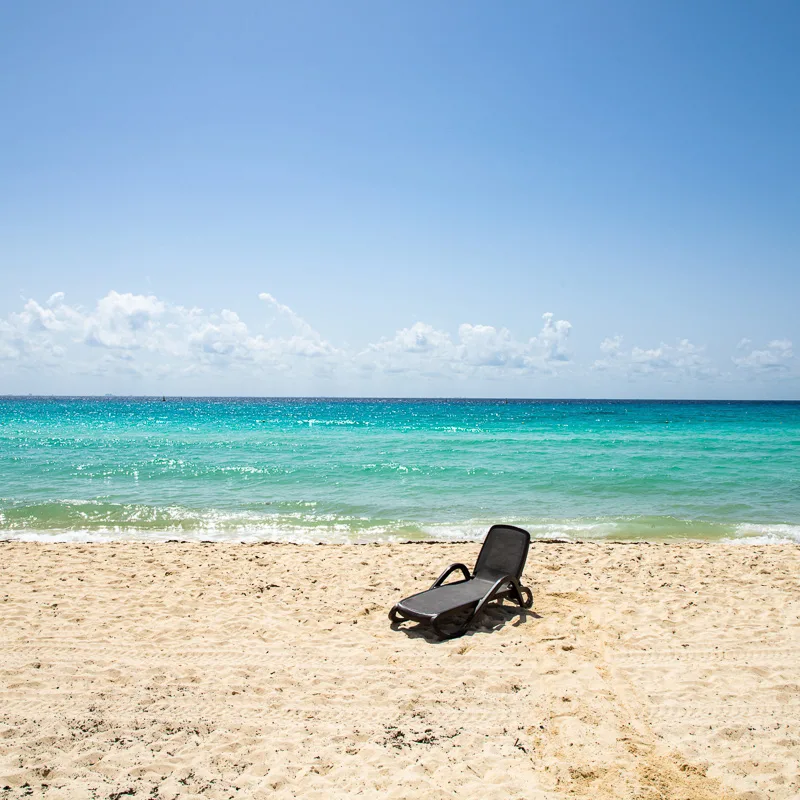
164	397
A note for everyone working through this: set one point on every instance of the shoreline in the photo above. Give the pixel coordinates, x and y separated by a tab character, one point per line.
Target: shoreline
189	669
769	539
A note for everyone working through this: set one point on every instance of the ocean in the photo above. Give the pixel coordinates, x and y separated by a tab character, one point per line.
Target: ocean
355	470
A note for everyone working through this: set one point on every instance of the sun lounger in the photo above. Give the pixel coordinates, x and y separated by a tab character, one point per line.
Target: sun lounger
496	576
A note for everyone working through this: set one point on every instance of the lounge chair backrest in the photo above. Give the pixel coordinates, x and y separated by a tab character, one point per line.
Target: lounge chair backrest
504	552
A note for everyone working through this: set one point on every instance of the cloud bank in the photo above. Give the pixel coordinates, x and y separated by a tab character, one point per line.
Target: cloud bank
670	362
136	336
776	360
478	350
142	334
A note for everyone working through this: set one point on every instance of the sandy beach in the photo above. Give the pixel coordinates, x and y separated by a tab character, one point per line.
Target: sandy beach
271	671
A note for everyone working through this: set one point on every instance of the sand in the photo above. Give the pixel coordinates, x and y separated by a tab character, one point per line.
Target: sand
271	671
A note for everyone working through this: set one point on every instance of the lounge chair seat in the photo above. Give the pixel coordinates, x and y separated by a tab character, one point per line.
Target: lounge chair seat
496	576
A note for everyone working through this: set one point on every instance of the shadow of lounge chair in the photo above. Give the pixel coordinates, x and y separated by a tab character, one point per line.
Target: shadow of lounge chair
496	576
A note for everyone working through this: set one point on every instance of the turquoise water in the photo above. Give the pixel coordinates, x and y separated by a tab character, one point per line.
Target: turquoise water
356	470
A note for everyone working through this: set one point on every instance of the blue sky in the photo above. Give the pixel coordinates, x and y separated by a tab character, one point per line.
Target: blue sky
382	198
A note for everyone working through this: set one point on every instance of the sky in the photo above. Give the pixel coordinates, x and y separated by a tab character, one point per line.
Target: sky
517	199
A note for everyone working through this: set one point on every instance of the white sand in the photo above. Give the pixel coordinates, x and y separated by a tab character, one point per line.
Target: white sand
271	671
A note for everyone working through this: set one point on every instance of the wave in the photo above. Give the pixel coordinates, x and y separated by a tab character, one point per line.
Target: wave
747	533
307	522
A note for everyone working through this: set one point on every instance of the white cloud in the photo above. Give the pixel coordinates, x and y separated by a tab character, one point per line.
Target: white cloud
420	348
671	362
553	339
125	321
302	328
136	334
304	340
35	334
479	350
775	360
141	338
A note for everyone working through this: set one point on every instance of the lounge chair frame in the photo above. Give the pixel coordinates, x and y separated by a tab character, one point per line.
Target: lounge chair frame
506	586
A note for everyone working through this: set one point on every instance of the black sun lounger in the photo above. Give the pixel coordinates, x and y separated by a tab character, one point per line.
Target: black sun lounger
496	576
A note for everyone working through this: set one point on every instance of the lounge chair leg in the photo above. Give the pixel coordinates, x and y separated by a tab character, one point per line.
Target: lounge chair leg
460	631
528	600
521	594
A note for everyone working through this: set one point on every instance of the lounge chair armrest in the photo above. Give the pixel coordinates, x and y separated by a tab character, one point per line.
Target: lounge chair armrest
446	574
494	591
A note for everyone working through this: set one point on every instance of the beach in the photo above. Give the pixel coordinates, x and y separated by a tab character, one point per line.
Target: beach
644	670
303	305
